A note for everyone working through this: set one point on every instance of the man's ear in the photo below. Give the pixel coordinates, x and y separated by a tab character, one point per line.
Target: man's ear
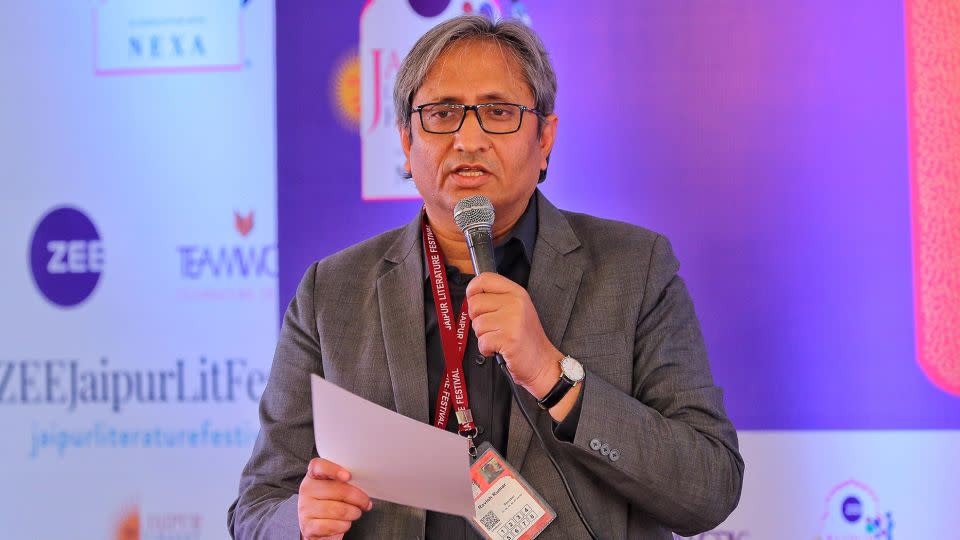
548	134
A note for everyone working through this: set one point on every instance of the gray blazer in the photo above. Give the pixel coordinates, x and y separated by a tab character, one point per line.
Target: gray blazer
653	452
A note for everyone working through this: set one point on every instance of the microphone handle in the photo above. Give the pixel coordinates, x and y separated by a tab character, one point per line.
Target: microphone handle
480	243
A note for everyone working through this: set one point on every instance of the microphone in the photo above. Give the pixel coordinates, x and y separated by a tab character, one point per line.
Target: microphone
475	215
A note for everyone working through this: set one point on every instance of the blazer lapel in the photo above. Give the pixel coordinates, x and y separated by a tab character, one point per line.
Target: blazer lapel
400	296
553	285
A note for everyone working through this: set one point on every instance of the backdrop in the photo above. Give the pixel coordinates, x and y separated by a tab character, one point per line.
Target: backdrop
803	157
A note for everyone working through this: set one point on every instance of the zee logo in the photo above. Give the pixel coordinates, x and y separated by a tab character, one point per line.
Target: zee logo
75	256
66	256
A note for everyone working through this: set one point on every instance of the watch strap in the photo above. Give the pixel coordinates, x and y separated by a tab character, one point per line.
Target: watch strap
556	393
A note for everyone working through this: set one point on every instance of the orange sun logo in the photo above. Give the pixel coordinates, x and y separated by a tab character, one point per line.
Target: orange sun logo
346	90
128	525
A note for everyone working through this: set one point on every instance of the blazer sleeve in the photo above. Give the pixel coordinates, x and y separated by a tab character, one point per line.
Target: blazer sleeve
667	446
267	503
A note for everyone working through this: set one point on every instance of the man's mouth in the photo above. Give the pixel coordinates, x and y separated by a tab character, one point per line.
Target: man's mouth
470	171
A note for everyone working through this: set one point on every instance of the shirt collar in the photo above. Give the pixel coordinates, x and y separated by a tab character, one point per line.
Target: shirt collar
524	231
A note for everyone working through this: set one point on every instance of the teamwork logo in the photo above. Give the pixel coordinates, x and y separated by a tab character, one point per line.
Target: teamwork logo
241	260
852	512
388	30
66	256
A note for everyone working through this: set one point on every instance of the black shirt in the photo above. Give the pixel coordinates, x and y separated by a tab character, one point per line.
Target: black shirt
487	390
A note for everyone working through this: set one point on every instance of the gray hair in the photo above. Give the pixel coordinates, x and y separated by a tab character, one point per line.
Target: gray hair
519	39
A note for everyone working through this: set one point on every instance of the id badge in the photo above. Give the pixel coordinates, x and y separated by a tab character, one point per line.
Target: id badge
507	507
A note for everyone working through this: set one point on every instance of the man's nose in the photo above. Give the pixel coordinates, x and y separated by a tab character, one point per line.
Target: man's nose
471	137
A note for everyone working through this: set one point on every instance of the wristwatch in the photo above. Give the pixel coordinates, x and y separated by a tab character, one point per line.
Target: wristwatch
571	373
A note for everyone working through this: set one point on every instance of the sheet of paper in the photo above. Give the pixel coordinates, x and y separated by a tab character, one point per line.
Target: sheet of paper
391	457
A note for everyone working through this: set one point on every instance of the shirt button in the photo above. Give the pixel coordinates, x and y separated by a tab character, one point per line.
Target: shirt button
614	454
605	449
595	444
481	359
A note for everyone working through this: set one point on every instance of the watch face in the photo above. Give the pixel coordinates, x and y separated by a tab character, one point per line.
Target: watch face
572	369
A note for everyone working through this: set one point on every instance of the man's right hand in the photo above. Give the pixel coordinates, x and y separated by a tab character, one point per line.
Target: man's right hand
328	505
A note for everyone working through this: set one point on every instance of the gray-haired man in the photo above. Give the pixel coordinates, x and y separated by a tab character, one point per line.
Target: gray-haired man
590	316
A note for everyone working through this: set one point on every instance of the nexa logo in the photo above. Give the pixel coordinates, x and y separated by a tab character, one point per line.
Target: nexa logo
66	256
167	36
240	260
164	46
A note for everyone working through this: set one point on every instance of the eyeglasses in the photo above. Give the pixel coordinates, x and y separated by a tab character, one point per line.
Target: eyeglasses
496	118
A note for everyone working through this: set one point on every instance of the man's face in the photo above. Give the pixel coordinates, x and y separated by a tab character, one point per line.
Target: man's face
504	167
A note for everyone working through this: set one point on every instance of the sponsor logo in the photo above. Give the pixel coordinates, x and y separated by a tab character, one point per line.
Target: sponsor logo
66	256
852	511
167	36
172	526
243	224
130	525
127	524
388	29
435	8
242	260
345	91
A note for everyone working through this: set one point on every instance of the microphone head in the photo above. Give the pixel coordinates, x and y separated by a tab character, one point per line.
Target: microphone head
473	212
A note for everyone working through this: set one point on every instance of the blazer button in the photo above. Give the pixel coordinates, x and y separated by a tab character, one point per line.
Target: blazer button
595	444
614	454
480	359
605	449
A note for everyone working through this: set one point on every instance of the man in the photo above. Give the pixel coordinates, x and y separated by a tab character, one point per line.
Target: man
640	432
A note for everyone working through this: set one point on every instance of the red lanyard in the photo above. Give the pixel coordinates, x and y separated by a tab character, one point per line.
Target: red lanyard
454	340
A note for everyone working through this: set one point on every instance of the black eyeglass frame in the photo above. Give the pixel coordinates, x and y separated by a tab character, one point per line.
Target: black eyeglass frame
476	111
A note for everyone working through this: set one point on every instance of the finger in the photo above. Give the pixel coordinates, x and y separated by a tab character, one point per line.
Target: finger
322	528
481	303
332	490
485	323
335	510
489	343
324	469
491	283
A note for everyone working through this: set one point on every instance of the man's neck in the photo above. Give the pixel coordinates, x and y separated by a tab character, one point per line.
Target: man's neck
453	243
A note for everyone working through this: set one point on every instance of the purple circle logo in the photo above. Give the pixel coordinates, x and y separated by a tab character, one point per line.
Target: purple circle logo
851	509
66	256
429	8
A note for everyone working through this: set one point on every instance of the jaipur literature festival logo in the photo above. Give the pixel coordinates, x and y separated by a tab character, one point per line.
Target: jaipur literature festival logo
66	256
388	30
852	511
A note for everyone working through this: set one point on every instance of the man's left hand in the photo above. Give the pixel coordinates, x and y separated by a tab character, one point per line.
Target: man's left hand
505	322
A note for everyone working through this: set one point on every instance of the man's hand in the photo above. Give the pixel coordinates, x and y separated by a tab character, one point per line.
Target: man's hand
328	505
505	321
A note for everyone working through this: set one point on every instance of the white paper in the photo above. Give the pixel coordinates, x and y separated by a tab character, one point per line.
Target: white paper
391	457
